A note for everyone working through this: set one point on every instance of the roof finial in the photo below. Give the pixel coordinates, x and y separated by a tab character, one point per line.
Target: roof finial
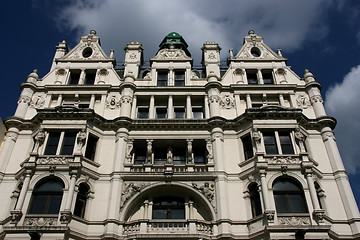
93	32
251	32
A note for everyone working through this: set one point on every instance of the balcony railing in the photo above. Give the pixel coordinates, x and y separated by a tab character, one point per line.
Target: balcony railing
170	167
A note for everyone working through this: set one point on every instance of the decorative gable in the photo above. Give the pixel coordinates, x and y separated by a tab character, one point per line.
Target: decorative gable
89	49
254	48
171	54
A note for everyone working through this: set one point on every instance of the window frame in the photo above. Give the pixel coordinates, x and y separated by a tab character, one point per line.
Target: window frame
88	146
81	201
162	82
169	208
179	82
255	200
279	143
74	80
61	142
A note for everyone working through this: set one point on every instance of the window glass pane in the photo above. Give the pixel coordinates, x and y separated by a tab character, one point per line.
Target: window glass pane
140	155
52	143
68	143
91	147
38	204
143	112
74	78
52	185
267	77
270	143
252	77
161	112
160	155
179	78
179	155
90	77
255	200
162	78
177	214
54	202
159	214
248	148
179	112
285	185
197	112
297	203
285	141
281	203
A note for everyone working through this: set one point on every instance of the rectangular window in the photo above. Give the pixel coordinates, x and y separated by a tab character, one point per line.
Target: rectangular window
90	77
74	77
91	147
143	112
160	155
199	151
59	143
267	77
179	78
140	155
179	112
270	143
285	142
252	77
247	146
162	78
179	157
161	112
197	112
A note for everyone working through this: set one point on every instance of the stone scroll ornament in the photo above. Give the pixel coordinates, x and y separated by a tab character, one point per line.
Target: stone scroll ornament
303	101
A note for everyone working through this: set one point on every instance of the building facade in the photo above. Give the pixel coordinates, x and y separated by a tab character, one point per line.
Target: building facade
171	151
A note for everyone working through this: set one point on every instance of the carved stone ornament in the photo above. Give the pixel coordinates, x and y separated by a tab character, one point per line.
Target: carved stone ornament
13	136
265	54
328	135
126	99
194	76
38	100
52	160
214	99
147	76
81	139
284	160
238	72
113	102
166	54
24	99
303	101
294	221
40	222
227	102
316	98
208	190
60	72
132	56
129	148
211	56
15	215
96	54
65	217
129	190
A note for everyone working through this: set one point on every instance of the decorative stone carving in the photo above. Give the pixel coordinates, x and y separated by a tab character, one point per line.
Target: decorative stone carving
211	56
294	221
214	99
169	155
208	190
112	102
149	151
147	76
328	135
303	101
38	100
167	54
40	222
129	190
246	53
13	136
284	160
210	156
132	56
129	148
126	99
24	99
227	102
194	76
52	160
15	215
39	140
189	153
316	98
65	217
81	139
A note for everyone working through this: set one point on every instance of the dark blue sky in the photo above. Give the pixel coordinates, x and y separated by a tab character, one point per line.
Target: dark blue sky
329	45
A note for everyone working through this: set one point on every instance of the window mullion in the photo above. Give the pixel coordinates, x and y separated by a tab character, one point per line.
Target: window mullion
61	140
278	144
296	148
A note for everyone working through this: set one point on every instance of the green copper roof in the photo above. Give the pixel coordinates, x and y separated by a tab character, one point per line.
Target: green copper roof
173	34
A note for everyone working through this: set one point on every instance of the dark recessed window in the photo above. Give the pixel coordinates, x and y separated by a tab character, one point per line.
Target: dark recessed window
162	78
285	142
270	143
179	112
247	146
255	52
143	112
179	78
66	147
91	147
168	208
160	155
267	77
46	197
197	112
90	77
255	200
74	77
52	143
289	196
161	112
140	155
87	52
179	156
68	143
199	151
251	77
81	199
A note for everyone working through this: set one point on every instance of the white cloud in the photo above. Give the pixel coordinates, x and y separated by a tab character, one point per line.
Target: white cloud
283	23
342	102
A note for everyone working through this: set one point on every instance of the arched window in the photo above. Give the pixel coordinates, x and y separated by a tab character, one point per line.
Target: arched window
47	196
289	196
255	200
169	208
81	199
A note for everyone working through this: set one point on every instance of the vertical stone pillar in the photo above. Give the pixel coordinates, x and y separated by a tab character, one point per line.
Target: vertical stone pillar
170	108
281	100
7	148
133	107
59	100
318	212
189	152
134	58
260	76
313	90
237	104
213	88
206	106
127	94
152	107
188	107
211	58
82	77
248	101
92	101
265	192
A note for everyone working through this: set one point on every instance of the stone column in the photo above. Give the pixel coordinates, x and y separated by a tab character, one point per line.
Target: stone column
133	107
189	153
7	148
59	100
66	214
92	101
281	100
260	76
313	90
318	212
170	108
188	107
206	106
27	91
82	77
152	107
265	192
238	104
248	101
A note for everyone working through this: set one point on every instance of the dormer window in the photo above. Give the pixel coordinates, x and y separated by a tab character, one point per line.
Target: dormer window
162	79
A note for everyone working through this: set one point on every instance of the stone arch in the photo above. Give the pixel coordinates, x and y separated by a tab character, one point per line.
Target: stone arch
291	175
41	177
167	189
